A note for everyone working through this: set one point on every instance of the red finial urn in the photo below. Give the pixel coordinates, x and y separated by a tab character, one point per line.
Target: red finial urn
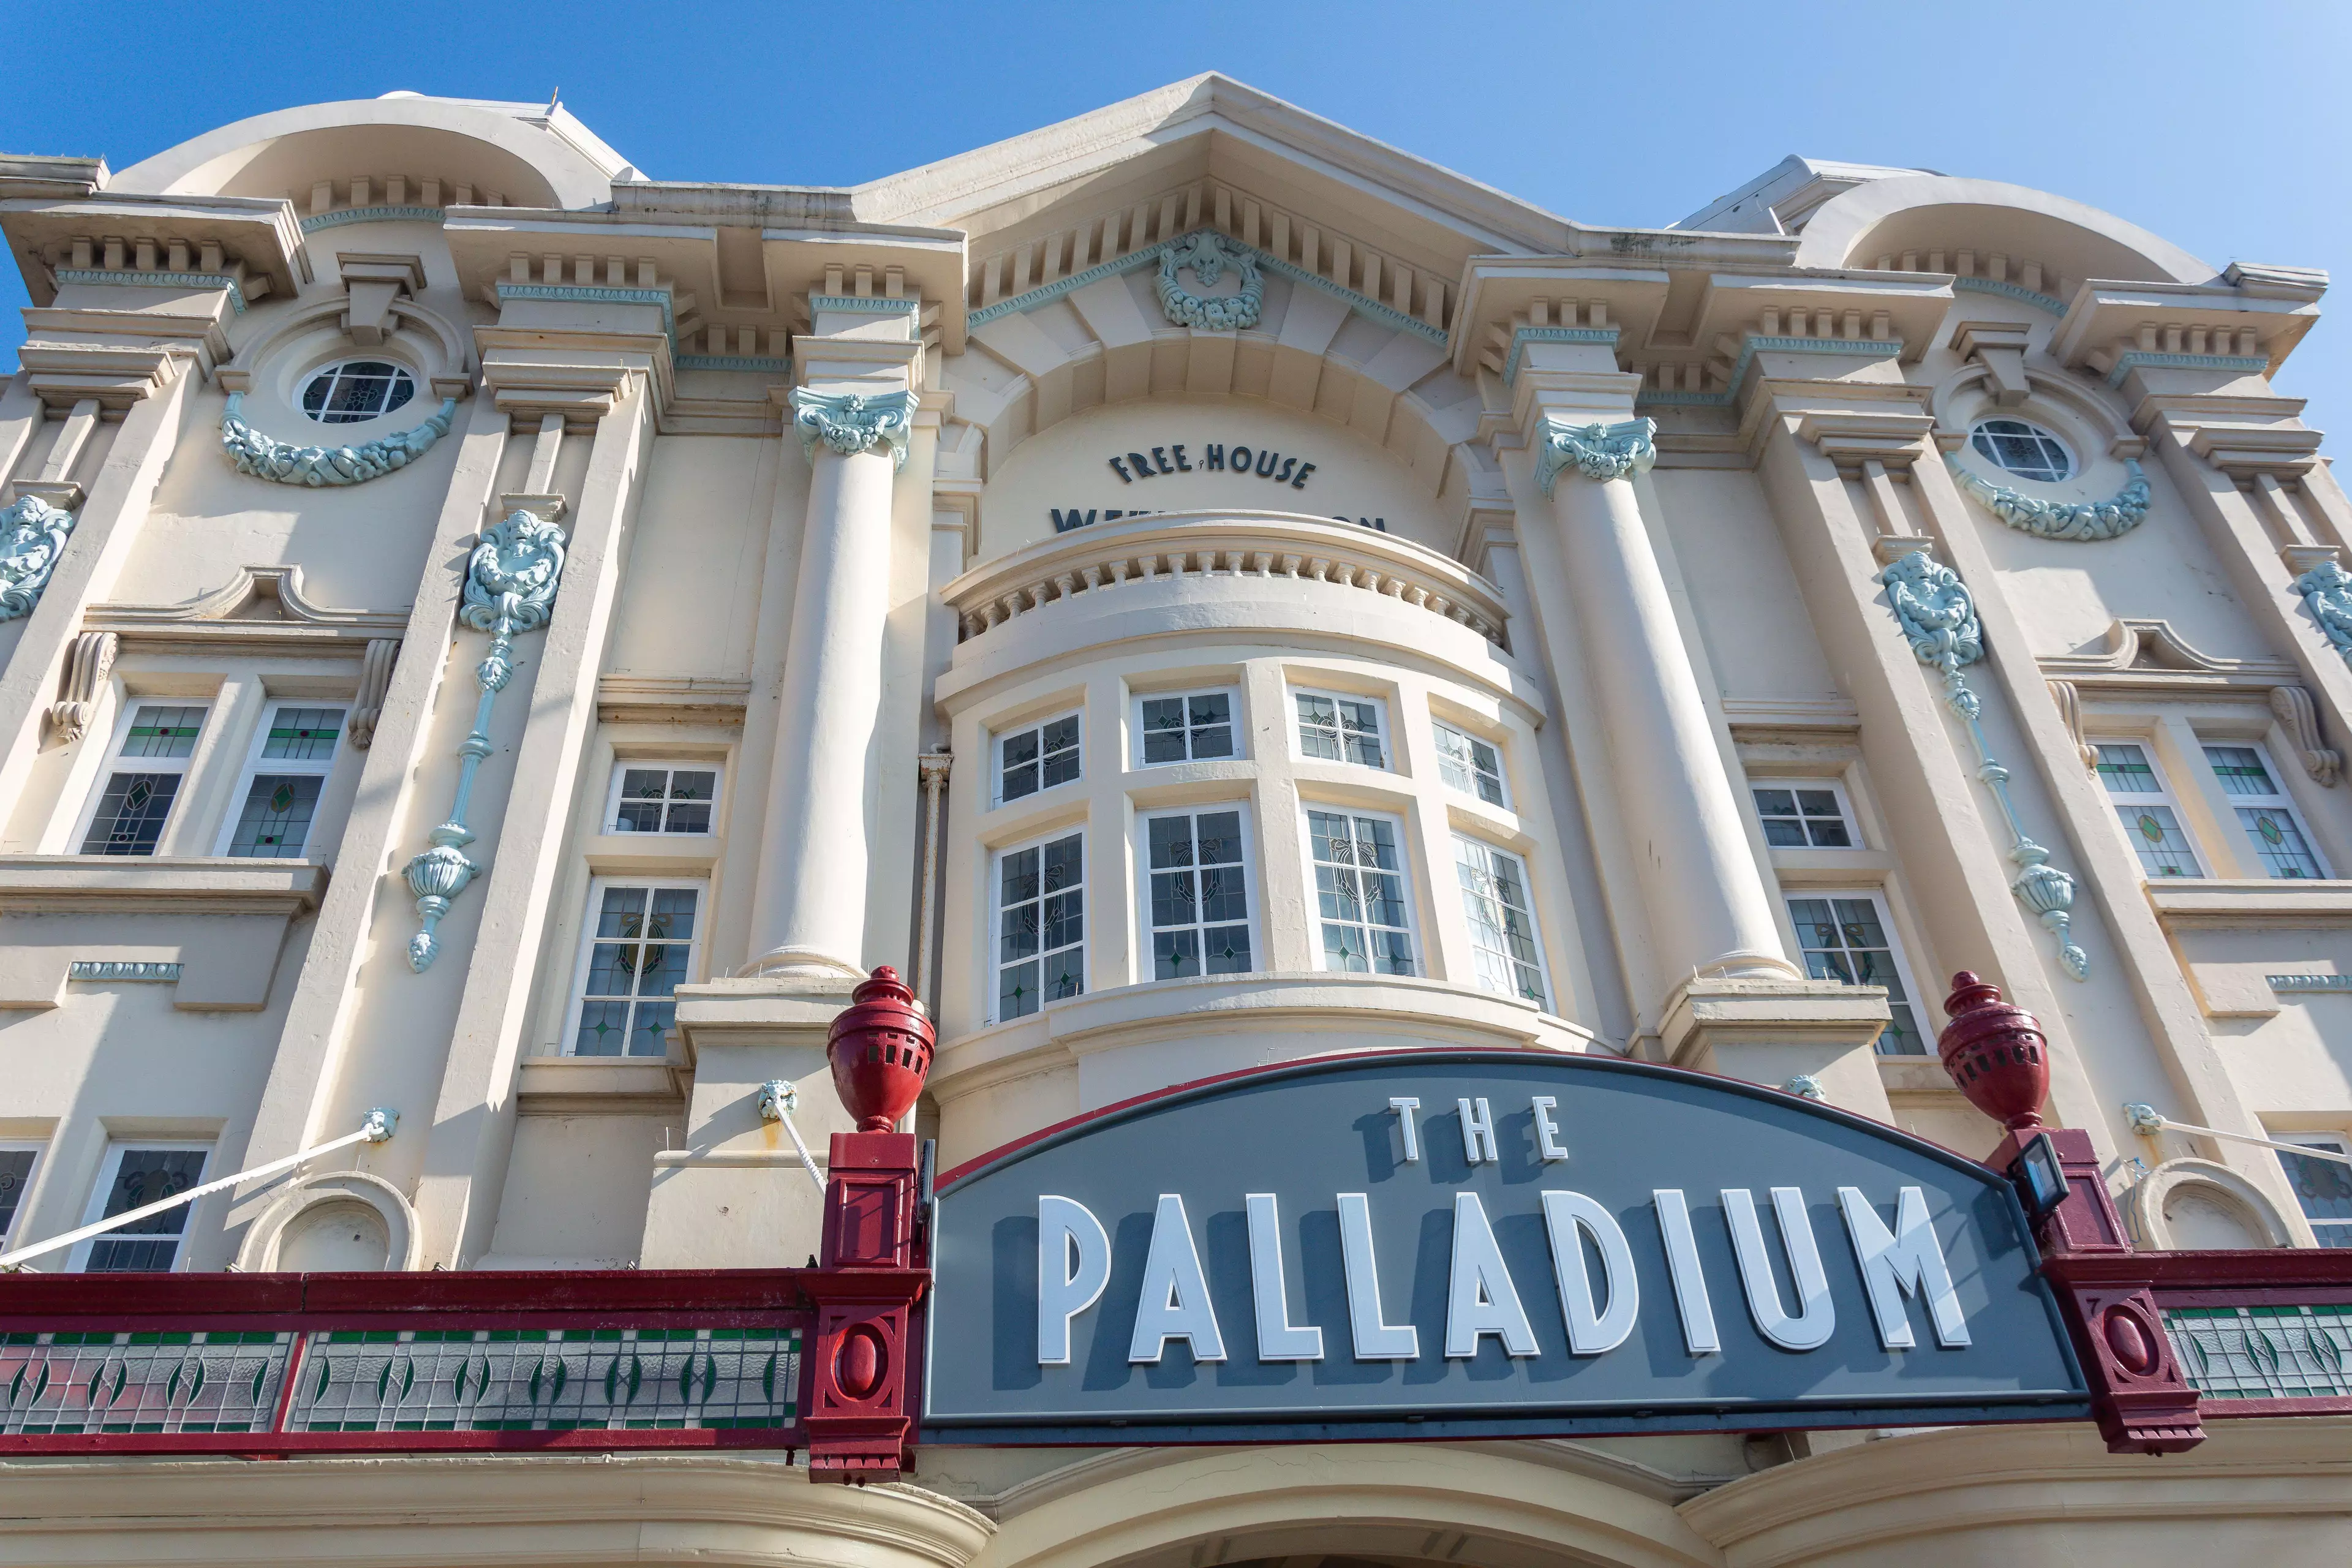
1995	1052
880	1046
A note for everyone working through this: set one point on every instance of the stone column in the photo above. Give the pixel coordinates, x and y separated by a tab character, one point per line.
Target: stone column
809	910
1709	910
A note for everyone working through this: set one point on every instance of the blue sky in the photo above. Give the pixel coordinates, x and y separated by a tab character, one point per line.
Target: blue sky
2224	129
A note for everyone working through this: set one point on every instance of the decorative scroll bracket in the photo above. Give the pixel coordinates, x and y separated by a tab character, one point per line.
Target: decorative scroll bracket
2109	519
33	535
259	455
510	583
1938	618
1596	451
850	423
1207	255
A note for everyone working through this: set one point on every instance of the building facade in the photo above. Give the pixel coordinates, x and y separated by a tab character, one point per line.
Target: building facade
495	637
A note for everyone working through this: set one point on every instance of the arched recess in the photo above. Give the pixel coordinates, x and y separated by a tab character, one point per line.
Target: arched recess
439	347
1497	1505
1926	213
489	147
306	1228
1109	343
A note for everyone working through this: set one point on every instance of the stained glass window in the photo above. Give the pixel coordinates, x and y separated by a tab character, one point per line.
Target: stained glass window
1502	922
1040	758
1199	894
1193	728
2323	1187
135	802
2026	450
2270	821
1041	927
16	1177
1340	730
1469	764
356	390
651	798
281	795
640	953
2146	812
1845	938
1359	890
139	1177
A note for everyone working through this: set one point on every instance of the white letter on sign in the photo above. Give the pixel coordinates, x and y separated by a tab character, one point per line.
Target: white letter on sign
1907	1259
1067	1284
1278	1338
1690	1279
1816	1318
1175	1301
1376	1339
1591	1331
1479	1296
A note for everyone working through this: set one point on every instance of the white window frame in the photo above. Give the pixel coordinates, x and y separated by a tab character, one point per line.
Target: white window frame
256	766
1913	998
40	1150
2065	447
115	762
1439	729
1412	927
1837	792
1380	713
2278	800
2336	1143
1147	960
333	367
2164	796
995	895
671	766
1232	695
997	738
109	1169
1534	926
577	997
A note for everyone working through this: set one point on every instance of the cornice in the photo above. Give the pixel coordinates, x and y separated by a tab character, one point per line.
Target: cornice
2148	658
225	618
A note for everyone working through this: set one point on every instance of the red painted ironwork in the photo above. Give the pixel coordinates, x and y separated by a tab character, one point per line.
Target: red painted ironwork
880	1047
862	1364
1996	1053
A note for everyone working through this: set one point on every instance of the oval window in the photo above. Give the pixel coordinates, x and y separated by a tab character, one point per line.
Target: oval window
2026	450
356	390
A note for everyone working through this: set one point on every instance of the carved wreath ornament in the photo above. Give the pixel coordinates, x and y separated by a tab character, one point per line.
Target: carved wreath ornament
259	455
2109	519
34	539
1207	256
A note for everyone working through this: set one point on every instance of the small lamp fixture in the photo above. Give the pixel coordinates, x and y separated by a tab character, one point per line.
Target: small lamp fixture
2041	1179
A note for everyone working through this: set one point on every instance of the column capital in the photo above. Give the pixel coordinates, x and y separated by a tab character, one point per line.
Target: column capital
1598	451
850	423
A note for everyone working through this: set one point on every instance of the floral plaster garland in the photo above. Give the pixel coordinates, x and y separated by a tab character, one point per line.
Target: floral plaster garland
259	455
2109	519
510	582
1207	256
32	538
1938	618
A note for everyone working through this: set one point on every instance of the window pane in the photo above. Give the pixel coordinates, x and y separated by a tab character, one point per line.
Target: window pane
2278	841
1182	899
1041	926
2125	771
603	1026
1016	991
1213	725
2156	835
1845	939
130	814
15	1173
2241	770
1359	732
622	912
1361	893
2025	450
1163	729
1175	954
1502	931
302	734
649	1030
146	1176
1061	751
276	821
1318	728
164	732
2323	1186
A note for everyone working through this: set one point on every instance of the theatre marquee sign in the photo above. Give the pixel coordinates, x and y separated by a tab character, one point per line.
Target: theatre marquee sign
1480	1243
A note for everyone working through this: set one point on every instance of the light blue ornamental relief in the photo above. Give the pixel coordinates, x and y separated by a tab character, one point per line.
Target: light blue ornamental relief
850	423
1207	255
510	583
2109	519
259	455
1939	617
2326	590
32	540
1596	451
